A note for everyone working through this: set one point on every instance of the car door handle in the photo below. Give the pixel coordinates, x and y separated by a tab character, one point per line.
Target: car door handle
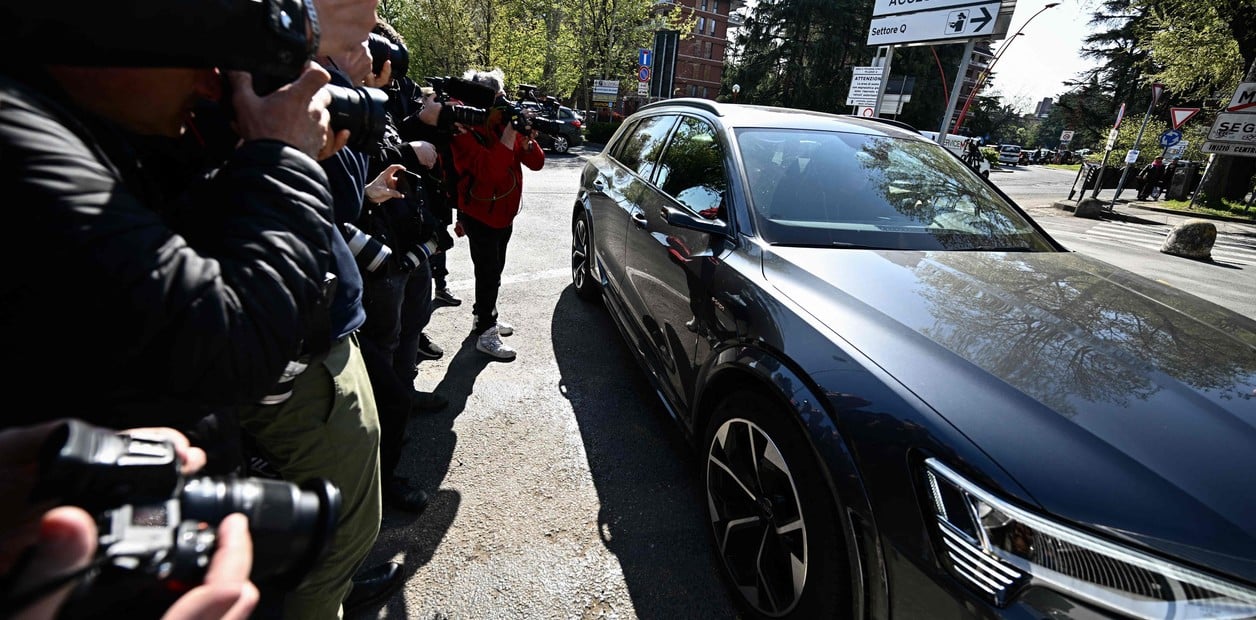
639	220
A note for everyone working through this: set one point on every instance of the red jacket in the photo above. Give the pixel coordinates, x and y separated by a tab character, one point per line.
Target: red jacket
490	178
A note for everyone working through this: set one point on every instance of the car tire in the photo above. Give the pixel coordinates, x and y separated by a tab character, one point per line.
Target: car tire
771	513
582	278
560	144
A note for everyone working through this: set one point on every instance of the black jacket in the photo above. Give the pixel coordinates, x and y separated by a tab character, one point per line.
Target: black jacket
136	307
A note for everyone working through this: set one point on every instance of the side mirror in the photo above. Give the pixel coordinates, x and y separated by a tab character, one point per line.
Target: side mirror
683	219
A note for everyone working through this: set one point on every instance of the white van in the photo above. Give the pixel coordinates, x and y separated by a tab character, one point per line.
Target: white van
1009	154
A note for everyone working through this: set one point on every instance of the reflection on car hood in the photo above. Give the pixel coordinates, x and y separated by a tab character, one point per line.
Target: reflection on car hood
1117	402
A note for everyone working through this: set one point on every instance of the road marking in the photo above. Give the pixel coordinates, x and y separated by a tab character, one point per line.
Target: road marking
1228	247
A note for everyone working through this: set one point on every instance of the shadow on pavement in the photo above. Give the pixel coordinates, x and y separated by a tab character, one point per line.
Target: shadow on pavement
652	514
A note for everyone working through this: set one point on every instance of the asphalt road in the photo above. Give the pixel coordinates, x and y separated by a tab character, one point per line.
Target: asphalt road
561	488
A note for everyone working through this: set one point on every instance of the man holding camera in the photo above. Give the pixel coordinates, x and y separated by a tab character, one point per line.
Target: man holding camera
488	160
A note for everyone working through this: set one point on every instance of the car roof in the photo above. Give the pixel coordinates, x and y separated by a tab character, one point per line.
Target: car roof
737	115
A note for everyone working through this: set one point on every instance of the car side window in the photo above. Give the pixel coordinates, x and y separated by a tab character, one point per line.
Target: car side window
692	168
641	148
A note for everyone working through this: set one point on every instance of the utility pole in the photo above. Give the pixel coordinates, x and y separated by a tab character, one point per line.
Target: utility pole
959	84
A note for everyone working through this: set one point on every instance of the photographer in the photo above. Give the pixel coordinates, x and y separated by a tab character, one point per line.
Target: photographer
488	159
40	544
397	299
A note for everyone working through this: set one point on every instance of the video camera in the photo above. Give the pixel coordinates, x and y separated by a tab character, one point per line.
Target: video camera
153	534
482	106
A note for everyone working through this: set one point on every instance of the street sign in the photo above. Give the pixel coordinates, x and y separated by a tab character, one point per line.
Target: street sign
1066	136
1177	150
865	85
605	90
1170	137
643	74
1179	116
1157	89
645	56
643	88
1112	135
867	111
1131	156
1234	132
1120	114
968	22
895	7
1244	99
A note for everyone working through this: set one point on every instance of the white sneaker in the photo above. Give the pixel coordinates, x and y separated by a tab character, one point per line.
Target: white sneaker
491	343
505	329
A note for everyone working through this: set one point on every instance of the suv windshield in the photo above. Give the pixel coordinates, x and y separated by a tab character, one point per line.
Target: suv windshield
835	189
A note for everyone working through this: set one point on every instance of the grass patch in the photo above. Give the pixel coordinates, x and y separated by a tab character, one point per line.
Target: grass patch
1069	167
1230	208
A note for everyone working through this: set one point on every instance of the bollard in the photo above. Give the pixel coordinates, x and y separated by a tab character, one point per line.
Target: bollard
1191	239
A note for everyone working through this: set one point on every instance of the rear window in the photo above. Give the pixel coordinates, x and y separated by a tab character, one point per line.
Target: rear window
1010	148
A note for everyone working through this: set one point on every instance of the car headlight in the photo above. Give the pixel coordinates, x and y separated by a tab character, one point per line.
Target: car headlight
998	549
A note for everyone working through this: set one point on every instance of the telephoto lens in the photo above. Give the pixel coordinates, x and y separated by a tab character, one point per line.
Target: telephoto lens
360	110
290	525
369	251
383	49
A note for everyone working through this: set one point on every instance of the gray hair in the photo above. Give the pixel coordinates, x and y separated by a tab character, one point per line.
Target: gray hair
495	79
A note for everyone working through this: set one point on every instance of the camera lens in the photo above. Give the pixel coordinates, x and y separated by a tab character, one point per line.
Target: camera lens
383	49
361	111
290	525
370	252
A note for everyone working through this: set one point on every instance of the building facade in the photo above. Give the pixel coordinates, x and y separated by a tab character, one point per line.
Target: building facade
700	55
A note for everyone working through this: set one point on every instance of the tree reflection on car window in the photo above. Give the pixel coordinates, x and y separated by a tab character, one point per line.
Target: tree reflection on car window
641	150
692	168
851	189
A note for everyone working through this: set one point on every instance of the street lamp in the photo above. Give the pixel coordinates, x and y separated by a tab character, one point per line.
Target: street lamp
981	79
736	89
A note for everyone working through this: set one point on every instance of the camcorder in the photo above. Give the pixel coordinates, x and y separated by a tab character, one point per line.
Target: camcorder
157	530
480	105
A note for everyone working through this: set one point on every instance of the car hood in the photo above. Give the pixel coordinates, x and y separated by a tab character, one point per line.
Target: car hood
1115	401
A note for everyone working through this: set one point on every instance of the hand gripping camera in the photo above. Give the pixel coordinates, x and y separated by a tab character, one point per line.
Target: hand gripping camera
157	529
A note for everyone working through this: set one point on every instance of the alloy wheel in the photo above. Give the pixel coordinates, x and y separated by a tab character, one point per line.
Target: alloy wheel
757	517
580	253
560	144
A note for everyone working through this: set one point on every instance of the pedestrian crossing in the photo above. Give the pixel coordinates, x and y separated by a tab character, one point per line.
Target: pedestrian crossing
1229	248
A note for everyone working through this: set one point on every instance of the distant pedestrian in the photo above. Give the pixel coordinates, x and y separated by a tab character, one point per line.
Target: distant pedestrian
1167	178
1149	178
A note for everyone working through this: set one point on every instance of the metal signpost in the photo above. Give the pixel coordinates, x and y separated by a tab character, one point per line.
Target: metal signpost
922	22
1156	91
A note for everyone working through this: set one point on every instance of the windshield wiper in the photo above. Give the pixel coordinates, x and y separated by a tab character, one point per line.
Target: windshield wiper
832	244
993	248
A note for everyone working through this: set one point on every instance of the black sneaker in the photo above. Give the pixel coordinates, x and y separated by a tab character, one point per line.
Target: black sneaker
445	298
429	350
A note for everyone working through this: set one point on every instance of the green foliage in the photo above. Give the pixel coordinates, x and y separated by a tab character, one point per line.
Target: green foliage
601	132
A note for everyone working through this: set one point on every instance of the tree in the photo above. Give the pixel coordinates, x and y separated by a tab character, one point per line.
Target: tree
791	51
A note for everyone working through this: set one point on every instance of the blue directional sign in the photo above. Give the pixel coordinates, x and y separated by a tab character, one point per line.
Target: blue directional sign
1170	137
645	56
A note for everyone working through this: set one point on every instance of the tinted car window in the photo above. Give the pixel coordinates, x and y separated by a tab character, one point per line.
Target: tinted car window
692	168
566	114
824	188
642	146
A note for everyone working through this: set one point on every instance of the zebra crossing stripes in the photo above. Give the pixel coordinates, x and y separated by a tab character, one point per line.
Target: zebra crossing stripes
1229	248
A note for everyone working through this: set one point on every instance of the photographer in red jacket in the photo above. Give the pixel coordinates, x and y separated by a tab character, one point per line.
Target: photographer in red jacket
488	159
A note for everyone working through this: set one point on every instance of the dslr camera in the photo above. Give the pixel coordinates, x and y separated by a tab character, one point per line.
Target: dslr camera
157	530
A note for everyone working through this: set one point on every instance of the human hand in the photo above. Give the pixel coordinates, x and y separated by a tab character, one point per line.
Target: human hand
295	114
509	135
385	185
430	113
355	63
61	541
226	591
381	79
425	151
344	24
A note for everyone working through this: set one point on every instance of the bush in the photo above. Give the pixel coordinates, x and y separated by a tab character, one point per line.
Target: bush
600	133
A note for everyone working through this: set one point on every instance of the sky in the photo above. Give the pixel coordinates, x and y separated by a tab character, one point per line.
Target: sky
1048	54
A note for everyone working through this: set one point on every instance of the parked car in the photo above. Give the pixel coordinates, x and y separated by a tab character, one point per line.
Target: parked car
1009	154
570	128
908	400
